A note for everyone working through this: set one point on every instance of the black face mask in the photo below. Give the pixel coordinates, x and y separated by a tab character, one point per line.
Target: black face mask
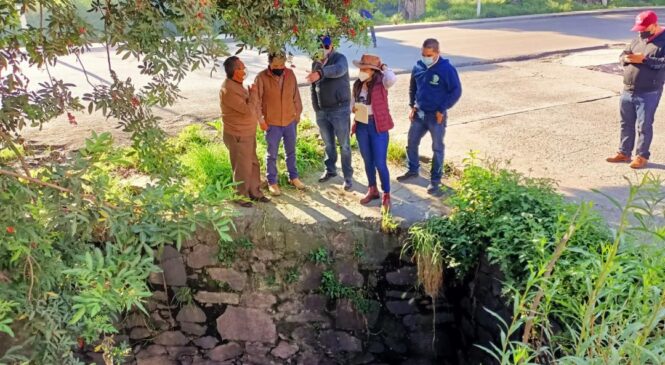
277	71
645	35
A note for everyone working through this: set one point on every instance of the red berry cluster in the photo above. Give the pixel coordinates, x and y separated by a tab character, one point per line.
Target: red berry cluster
71	118
11	230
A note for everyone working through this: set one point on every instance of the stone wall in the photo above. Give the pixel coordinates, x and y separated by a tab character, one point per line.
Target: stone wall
266	304
474	324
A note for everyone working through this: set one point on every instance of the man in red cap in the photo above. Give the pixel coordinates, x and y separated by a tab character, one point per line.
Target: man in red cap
643	77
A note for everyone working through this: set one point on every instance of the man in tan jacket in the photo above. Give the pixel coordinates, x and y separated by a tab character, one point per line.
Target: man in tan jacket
279	113
240	120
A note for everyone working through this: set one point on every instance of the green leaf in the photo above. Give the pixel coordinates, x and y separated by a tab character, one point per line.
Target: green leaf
77	316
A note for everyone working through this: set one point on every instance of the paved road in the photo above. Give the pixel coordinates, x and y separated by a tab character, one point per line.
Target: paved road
464	44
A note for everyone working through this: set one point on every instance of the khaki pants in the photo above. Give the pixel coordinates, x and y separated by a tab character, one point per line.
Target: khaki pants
245	164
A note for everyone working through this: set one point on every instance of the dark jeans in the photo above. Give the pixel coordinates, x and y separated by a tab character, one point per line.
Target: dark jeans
336	123
374	150
372	34
638	110
274	135
419	127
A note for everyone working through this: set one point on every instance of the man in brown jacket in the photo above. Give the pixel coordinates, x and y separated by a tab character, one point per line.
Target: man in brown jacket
279	113
240	120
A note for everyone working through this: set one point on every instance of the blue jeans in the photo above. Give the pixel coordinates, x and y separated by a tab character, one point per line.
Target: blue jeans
374	150
336	123
274	135
638	110
419	127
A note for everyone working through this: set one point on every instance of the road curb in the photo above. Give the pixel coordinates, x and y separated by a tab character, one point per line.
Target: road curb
454	23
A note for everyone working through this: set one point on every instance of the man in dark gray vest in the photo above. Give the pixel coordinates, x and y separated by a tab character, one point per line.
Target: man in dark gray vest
643	77
331	99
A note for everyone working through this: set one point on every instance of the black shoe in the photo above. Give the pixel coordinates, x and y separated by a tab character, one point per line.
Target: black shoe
244	203
327	176
348	185
407	175
434	189
263	199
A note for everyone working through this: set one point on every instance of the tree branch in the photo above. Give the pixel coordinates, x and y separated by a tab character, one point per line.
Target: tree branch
18	154
88	197
35	181
85	72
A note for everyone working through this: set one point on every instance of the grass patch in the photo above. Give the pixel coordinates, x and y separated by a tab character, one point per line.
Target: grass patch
396	153
208	166
442	10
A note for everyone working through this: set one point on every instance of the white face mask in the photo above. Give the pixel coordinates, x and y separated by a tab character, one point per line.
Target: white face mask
363	75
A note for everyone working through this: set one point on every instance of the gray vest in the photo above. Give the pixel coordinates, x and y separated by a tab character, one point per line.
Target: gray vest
640	78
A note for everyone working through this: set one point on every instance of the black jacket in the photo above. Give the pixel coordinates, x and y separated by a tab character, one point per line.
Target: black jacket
650	75
332	90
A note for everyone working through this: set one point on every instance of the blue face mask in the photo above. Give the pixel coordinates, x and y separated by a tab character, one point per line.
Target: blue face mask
428	61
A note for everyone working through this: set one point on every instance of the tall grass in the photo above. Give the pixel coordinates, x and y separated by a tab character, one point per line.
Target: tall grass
207	161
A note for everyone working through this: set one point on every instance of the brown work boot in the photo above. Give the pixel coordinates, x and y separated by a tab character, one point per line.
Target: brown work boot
298	184
274	190
385	204
639	162
620	157
372	193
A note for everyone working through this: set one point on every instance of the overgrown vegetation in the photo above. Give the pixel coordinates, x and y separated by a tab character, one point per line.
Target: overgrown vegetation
77	254
582	293
77	240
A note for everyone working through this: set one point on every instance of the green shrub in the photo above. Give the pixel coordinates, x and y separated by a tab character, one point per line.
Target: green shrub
76	253
581	292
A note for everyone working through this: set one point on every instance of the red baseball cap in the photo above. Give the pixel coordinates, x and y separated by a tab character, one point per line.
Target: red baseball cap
644	20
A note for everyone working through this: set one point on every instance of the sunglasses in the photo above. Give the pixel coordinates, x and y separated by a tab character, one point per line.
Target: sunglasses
326	47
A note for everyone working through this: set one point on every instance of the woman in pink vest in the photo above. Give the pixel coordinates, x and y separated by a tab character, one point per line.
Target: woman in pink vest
372	122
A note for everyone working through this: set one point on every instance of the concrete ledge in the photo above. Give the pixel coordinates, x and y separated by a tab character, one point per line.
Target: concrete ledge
455	23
